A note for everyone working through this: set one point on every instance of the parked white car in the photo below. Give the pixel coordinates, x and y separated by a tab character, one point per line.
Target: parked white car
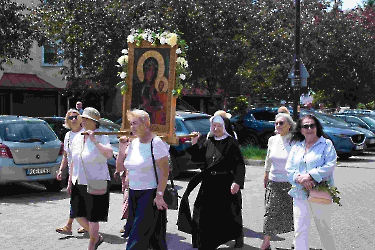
29	152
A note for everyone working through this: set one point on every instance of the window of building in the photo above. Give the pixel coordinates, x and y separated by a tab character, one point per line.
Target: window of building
50	55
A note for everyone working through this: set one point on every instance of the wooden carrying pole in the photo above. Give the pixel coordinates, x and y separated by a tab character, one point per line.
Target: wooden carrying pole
128	133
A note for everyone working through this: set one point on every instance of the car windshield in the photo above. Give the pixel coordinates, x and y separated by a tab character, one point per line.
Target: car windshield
200	124
27	132
334	120
265	115
369	121
317	115
110	128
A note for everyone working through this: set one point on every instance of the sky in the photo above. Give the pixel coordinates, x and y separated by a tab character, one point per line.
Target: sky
350	4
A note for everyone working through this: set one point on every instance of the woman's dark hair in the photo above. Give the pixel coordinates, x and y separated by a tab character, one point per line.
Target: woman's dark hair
298	136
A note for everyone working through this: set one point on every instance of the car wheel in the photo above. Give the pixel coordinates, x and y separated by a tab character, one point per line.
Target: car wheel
53	185
344	156
251	140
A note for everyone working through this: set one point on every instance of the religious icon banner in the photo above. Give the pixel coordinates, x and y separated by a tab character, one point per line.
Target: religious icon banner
150	81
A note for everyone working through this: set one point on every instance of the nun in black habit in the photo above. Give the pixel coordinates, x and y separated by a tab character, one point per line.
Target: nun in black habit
217	215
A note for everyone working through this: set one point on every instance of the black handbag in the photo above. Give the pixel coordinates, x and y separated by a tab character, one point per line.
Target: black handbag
170	193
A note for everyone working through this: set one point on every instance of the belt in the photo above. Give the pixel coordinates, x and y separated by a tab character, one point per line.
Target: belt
219	173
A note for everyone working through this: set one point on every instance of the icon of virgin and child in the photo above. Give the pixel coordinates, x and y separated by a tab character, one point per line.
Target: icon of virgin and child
149	93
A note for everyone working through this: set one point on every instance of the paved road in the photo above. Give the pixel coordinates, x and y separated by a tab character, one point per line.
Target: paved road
29	214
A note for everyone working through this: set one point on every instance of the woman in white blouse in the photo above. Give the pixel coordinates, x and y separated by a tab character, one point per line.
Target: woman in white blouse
147	221
278	217
73	121
311	161
89	162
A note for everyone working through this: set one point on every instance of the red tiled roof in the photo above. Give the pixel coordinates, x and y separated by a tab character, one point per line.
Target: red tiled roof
25	81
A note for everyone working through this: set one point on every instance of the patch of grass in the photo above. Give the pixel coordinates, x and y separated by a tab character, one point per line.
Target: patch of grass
254	153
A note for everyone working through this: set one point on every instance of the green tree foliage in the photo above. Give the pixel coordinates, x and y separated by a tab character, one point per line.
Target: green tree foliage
335	48
15	33
361	106
230	43
89	34
339	58
92	34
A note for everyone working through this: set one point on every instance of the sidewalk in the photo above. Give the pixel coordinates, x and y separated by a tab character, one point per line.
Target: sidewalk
254	162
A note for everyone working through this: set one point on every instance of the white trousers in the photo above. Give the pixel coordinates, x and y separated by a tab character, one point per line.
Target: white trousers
303	211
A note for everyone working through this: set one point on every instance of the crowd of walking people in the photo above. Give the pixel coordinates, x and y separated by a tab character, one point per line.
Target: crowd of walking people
298	158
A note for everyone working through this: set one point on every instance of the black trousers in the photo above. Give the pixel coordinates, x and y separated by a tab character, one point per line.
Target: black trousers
146	225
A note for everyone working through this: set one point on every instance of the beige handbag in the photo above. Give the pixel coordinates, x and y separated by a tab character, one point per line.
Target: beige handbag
321	197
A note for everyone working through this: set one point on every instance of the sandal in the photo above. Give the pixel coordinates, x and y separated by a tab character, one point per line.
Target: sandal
81	230
100	241
64	230
122	231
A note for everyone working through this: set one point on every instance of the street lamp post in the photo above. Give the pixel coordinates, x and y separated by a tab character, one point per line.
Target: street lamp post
297	73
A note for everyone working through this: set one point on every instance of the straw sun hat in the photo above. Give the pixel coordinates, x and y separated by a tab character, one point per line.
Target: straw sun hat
91	113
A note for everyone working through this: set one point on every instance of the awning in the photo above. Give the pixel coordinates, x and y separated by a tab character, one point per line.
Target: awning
25	82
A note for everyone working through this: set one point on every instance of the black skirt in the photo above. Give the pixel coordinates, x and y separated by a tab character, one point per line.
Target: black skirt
92	207
278	217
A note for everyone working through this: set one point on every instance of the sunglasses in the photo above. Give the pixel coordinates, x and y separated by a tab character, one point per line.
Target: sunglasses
309	126
72	117
279	123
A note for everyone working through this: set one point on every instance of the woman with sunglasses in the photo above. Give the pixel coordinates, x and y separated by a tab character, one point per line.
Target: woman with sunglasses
311	160
278	217
73	122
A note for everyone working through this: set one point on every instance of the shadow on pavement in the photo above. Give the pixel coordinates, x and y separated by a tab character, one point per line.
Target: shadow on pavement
279	248
346	166
259	235
108	238
355	160
26	193
175	242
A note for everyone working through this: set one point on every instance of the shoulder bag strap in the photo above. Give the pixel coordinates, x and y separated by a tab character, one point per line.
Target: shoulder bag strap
156	174
153	162
84	168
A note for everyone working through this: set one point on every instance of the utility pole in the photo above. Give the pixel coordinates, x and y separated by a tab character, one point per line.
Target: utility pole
297	61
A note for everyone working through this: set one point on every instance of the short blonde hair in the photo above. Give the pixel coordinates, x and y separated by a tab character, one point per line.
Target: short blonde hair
283	110
67	121
142	115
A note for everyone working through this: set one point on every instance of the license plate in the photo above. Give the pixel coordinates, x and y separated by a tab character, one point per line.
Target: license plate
359	147
38	171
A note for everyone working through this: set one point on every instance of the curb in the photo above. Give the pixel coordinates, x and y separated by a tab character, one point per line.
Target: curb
254	162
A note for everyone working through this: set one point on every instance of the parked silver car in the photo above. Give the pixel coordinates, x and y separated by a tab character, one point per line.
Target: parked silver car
29	152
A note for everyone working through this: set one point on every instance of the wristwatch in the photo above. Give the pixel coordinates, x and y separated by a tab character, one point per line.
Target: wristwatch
160	193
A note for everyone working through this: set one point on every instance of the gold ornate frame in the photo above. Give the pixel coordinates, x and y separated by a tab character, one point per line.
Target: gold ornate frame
167	130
